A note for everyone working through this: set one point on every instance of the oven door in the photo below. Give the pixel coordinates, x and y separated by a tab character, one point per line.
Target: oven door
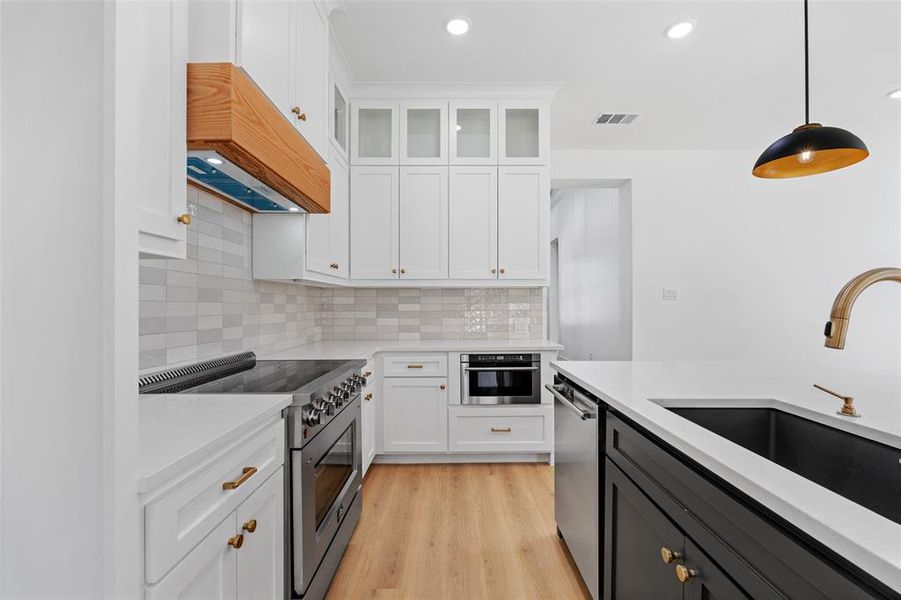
519	384
326	476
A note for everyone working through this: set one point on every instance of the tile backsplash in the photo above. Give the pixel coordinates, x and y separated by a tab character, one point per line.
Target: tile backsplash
209	305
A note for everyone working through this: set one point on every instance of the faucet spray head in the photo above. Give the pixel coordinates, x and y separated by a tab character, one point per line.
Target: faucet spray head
836	330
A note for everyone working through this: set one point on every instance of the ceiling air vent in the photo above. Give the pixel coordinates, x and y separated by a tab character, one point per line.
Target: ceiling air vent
615	118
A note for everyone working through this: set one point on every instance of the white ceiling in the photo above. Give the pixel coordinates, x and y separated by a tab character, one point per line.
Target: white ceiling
736	82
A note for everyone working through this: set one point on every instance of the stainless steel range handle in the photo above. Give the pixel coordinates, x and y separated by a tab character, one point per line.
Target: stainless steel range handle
566	402
500	368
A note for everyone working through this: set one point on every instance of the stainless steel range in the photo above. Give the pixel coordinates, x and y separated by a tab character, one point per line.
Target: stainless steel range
323	495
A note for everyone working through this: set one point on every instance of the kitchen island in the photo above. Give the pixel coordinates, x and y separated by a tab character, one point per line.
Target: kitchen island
651	445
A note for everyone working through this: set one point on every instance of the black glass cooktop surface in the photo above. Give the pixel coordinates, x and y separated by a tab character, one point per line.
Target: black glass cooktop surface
270	376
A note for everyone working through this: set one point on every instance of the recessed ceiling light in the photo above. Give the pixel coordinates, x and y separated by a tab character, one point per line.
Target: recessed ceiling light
457	26
214	161
895	94
680	30
293	209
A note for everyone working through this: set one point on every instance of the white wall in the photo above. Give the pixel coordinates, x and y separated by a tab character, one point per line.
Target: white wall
68	271
593	230
756	262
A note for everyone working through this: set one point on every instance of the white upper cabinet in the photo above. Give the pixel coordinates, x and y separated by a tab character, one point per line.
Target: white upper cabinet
374	133
523	132
373	222
473	132
153	127
473	223
265	49
339	121
523	215
327	234
423	222
423	133
311	74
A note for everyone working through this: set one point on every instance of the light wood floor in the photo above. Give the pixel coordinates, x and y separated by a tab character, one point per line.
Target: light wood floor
433	532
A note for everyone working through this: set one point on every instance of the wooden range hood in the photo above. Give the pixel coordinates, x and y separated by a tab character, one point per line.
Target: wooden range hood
229	114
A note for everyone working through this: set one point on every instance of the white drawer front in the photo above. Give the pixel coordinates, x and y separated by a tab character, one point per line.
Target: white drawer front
504	429
175	522
414	365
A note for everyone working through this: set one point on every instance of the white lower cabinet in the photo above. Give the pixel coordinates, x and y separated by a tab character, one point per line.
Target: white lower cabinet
369	420
414	414
242	557
501	429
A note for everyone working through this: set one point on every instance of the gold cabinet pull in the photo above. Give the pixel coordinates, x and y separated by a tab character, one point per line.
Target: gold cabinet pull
246	474
250	526
683	573
668	555
184	219
414	366
368	397
367	374
442	387
501	429
236	541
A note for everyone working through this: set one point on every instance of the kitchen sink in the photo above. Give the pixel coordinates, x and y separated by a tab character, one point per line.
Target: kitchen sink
861	470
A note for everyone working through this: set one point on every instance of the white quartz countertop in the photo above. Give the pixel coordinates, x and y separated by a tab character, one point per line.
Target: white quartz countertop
179	431
639	389
367	348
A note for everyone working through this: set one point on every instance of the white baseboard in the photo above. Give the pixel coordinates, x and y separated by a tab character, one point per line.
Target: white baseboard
411	459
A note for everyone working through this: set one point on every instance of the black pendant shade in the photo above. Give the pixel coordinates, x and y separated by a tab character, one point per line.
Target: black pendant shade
809	150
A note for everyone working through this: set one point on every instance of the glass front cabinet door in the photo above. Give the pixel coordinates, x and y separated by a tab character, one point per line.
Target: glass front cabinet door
523	132
473	132
374	133
423	133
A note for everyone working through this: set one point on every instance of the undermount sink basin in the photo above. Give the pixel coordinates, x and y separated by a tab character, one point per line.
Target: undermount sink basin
861	470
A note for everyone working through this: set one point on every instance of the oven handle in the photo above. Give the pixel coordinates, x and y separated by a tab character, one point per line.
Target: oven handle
566	402
500	368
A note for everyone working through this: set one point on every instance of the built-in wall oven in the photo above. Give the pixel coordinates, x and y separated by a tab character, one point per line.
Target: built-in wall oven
500	378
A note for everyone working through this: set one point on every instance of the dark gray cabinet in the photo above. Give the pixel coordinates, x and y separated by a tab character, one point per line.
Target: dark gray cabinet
727	546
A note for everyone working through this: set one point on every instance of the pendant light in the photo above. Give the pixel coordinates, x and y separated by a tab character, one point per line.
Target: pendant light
811	148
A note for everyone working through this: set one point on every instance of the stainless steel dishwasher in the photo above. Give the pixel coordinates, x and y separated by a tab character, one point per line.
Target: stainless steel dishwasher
578	470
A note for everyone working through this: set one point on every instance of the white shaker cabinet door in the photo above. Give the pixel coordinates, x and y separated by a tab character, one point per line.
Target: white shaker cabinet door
208	572
423	223
414	414
369	433
151	135
265	49
473	223
311	72
373	222
260	520
523	215
327	234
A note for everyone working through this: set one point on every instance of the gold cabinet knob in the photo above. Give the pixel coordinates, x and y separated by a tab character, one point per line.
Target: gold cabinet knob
394	270
334	265
368	397
302	117
442	387
493	271
503	271
668	555
295	110
236	541
184	219
367	374
250	526
402	271
683	573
